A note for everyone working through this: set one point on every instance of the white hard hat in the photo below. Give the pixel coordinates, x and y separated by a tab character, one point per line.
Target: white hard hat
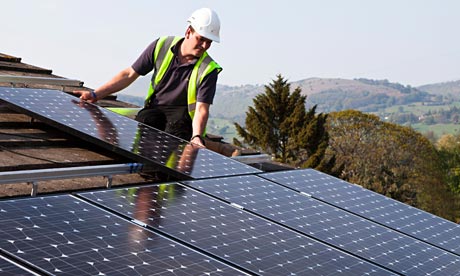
206	23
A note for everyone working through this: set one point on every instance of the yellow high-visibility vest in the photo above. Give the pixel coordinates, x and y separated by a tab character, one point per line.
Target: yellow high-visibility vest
163	57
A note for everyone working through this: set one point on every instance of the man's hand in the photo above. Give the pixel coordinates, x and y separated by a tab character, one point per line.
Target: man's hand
198	140
85	95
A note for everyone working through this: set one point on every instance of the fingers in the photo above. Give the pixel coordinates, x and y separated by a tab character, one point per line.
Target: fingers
198	144
198	141
85	95
82	93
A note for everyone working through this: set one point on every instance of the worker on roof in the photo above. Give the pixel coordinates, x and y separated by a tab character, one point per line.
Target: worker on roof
183	82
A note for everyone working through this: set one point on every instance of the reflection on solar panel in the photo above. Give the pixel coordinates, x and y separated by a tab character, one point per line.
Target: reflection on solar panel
236	236
376	207
64	235
122	135
349	232
9	267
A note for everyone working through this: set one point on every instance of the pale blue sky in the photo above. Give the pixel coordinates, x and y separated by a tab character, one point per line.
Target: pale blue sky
413	42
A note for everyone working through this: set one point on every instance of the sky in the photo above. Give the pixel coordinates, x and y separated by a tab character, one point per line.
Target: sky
412	42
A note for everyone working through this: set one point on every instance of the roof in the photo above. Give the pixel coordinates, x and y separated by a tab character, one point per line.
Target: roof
27	144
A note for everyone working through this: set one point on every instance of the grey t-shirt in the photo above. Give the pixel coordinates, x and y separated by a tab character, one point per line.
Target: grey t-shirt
172	89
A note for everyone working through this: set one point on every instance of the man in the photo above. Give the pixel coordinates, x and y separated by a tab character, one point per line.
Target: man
183	83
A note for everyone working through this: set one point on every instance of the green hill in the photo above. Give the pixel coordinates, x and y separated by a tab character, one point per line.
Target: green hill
360	94
421	107
329	94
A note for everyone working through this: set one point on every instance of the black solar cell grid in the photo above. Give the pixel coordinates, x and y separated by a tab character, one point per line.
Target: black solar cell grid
64	235
121	134
341	229
386	211
236	236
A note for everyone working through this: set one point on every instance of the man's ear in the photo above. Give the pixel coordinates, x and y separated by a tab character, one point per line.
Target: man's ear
188	32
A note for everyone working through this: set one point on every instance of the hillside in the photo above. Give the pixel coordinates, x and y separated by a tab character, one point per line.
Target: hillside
445	89
328	94
233	102
313	86
360	94
392	101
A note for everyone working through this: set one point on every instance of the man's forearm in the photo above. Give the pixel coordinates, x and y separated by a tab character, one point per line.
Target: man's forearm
120	81
200	119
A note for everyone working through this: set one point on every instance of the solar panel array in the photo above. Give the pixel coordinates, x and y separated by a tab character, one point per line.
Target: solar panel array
373	206
224	218
341	229
121	134
64	235
238	237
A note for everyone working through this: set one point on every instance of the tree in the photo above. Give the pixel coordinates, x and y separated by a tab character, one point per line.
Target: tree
312	142
279	124
392	160
448	147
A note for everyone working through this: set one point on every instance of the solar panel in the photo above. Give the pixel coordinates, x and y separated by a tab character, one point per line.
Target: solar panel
9	267
341	229
373	206
121	134
255	244
64	235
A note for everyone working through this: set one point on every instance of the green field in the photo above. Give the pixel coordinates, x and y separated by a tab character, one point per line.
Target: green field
418	108
438	129
222	127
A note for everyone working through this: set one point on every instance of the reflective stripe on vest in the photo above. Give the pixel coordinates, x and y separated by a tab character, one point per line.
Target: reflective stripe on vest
163	57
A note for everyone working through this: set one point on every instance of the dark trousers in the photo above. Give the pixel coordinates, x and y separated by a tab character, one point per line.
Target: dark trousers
171	119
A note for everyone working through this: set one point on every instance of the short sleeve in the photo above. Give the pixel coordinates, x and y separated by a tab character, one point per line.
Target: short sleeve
144	63
207	89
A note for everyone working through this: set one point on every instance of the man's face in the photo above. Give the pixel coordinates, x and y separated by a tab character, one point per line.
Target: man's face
198	44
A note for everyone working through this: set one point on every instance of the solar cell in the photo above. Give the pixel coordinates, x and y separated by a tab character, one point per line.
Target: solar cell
373	206
121	134
354	234
9	267
64	235
241	238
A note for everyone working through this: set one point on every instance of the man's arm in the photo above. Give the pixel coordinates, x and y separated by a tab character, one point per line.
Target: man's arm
120	81
199	121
